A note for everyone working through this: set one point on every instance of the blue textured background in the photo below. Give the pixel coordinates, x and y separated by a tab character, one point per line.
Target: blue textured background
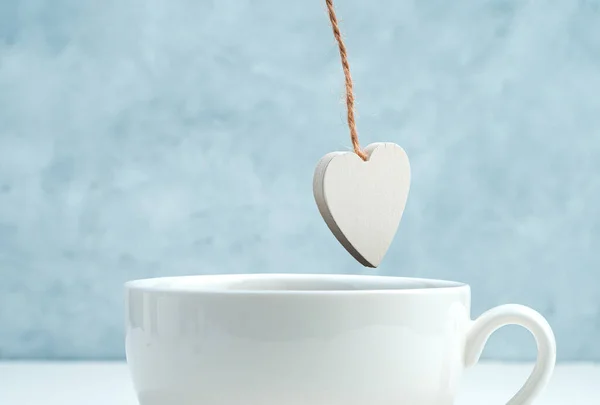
162	137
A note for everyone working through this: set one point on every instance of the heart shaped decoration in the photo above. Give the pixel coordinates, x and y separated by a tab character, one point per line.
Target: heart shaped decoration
362	201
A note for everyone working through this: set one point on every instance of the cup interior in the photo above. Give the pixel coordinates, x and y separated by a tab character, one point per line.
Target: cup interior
288	283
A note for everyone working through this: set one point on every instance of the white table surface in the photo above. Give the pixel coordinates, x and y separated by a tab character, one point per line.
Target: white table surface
108	384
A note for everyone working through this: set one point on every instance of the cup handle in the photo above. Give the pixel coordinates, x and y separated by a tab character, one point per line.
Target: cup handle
490	321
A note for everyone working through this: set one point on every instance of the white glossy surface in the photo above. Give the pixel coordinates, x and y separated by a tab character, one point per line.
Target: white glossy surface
109	384
318	339
512	314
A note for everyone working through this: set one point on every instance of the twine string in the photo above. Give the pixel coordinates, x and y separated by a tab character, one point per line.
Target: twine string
348	80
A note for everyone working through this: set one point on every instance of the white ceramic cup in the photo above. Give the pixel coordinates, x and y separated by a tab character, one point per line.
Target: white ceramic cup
276	339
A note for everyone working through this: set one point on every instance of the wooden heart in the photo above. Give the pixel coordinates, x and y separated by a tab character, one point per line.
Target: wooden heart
362	201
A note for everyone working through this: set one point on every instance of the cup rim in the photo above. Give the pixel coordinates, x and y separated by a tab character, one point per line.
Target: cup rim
209	284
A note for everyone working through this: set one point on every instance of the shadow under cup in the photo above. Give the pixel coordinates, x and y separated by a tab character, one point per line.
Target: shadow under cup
296	339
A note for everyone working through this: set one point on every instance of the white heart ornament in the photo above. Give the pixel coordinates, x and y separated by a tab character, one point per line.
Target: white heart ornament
362	201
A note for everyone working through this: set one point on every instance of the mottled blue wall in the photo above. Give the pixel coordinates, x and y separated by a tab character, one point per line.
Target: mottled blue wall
160	137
